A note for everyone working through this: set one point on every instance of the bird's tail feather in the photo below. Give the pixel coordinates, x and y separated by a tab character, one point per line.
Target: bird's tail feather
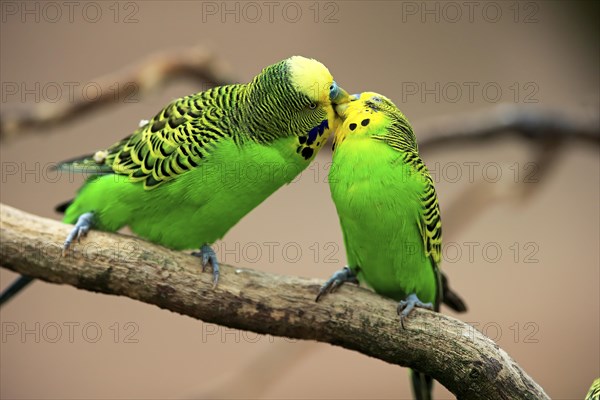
450	297
19	284
23	281
62	207
86	164
422	385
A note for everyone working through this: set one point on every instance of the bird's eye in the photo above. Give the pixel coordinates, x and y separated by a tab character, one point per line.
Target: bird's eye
312	106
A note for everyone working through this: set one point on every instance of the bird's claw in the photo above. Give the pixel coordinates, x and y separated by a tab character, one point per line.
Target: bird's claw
337	279
407	305
208	256
81	229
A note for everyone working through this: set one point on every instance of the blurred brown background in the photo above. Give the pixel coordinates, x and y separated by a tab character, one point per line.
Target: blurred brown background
538	299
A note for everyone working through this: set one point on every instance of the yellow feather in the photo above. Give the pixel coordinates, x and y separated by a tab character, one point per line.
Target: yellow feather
311	78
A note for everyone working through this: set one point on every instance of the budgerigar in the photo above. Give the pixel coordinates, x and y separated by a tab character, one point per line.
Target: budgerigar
388	211
188	175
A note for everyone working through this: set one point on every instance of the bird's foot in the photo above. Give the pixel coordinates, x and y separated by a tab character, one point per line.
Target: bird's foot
82	227
208	255
337	279
407	305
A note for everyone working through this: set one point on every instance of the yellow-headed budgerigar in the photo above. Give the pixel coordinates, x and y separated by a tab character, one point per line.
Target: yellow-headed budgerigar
388	211
188	175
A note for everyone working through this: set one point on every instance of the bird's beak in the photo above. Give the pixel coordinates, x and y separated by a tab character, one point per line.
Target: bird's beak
340	96
337	95
341	107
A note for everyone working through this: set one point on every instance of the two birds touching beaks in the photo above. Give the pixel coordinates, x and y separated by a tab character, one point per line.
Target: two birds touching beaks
383	193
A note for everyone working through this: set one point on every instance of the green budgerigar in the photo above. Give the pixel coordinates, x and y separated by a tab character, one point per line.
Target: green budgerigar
189	174
388	211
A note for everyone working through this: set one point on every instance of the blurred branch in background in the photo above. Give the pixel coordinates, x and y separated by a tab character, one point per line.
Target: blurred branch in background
546	131
466	362
197	63
528	122
474	200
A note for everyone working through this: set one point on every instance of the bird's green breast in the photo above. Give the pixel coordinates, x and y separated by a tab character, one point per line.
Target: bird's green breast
377	198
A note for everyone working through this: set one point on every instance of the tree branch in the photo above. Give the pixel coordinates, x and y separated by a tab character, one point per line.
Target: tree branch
469	364
196	63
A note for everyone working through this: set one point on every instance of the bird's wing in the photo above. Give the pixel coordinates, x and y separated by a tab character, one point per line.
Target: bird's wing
430	221
176	140
428	218
430	224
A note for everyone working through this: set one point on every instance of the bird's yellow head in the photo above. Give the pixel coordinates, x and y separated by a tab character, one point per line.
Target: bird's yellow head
372	115
298	97
312	79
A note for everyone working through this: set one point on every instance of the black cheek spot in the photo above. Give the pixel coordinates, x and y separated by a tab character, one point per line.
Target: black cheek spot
307	153
365	122
352	126
298	149
302	139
